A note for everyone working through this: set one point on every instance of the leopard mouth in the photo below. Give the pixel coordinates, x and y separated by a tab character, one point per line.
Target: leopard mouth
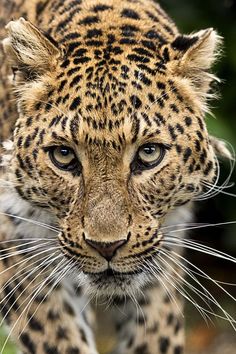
112	275
111	278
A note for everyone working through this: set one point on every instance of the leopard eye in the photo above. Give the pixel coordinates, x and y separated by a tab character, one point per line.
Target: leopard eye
64	158
148	156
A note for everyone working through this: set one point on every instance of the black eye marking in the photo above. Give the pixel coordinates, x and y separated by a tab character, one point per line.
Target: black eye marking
148	156
64	158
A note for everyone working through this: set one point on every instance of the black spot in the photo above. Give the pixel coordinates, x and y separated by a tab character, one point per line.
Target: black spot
199	134
197	145
83	336
40	7
203	156
94	33
68	309
76	102
62	333
172	132
129	13
29	121
142	349
101	7
70	36
184	42
11	300
200	122
178	149
142	78
53	315
79	53
76	80
130	342
144	52
188	121
170	319
72	46
50	349
28	343
135	101
154	35
174	108
61	86
180	128
81	60
151	97
141	320
208	168
164	344
72	350
94	43
34	324
178	350
152	16
187	154
138	58
128	30
161	85
89	20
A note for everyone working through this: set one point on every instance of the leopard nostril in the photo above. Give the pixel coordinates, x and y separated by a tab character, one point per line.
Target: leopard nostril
106	249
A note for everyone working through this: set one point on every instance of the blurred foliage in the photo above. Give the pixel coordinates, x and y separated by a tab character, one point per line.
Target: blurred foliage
9	348
191	16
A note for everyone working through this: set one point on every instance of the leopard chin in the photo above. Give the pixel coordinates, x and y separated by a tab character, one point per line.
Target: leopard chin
112	284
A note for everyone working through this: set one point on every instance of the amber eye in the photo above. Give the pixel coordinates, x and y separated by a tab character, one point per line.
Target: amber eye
148	156
64	158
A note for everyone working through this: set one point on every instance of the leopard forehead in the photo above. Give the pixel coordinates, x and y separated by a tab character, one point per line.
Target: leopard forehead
115	71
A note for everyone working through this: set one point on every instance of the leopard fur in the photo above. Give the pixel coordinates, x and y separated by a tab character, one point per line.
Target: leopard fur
103	77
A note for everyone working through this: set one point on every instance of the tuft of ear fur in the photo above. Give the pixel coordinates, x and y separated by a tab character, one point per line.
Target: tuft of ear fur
29	49
220	148
195	54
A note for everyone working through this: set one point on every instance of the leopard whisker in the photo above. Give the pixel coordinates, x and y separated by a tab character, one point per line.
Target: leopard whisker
204	225
206	275
172	241
21	272
180	284
24	261
214	188
24	243
35	269
25	308
230	318
37	223
157	274
24	250
198	307
206	295
59	277
180	289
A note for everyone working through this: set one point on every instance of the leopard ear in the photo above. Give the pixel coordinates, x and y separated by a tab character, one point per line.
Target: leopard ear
29	50
195	55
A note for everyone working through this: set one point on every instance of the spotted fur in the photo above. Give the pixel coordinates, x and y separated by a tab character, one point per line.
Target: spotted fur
103	78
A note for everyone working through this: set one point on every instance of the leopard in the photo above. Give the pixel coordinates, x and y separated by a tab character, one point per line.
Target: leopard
104	150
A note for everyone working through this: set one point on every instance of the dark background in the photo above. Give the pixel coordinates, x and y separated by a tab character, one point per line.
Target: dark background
191	16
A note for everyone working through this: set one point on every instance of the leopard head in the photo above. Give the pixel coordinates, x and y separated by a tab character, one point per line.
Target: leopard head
110	141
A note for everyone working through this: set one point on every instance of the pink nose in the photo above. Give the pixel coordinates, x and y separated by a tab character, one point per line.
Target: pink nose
106	249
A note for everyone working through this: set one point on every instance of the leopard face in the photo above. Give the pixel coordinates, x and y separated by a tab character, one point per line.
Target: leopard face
111	135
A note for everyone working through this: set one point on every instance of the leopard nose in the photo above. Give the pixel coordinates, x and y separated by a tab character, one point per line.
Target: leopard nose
106	249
